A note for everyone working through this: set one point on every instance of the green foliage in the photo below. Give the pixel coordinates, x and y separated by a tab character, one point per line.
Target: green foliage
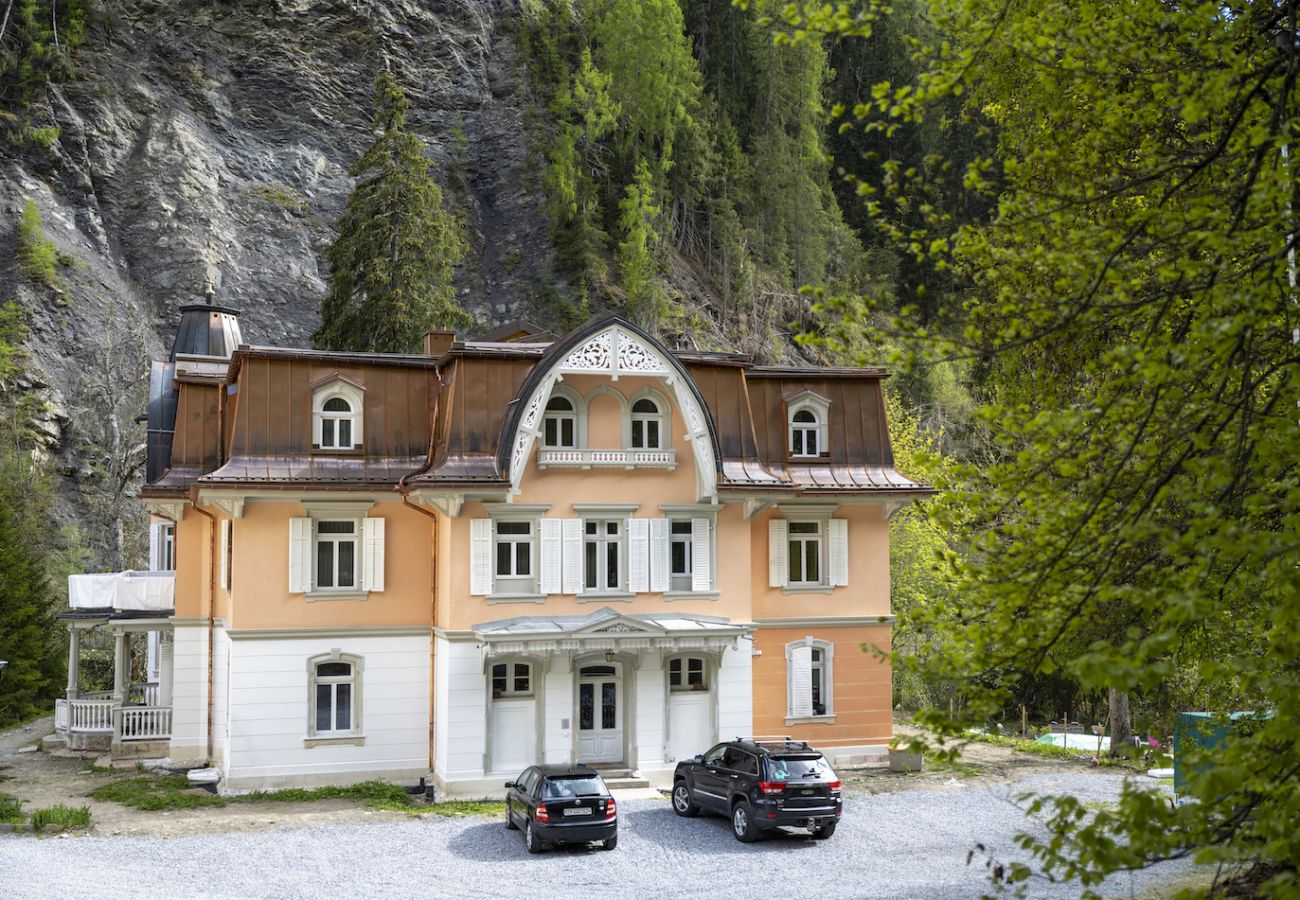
13	332
1136	522
37	254
391	265
638	214
40	39
11	811
61	817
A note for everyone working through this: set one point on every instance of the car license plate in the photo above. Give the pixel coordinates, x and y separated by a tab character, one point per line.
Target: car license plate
807	793
581	811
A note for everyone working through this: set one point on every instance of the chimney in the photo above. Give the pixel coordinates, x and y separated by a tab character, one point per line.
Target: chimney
436	343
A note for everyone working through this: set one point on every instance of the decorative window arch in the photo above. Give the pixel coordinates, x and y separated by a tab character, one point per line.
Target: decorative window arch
563	421
649	421
810	683
334	696
338	410
806	417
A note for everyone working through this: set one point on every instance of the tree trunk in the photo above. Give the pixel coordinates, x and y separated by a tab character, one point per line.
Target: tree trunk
1121	723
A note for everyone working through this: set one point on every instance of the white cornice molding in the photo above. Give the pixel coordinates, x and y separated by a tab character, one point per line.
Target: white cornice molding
171	509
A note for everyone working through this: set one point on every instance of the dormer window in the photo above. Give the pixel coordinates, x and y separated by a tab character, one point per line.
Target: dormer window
560	425
336	424
647	425
337	414
807	413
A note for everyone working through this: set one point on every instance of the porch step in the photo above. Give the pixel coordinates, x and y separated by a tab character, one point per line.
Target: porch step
623	784
620	777
53	742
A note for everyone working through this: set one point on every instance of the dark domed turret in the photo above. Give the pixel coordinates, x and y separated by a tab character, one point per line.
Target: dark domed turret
207	330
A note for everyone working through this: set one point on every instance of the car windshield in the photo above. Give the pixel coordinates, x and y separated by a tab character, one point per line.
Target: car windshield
785	769
572	786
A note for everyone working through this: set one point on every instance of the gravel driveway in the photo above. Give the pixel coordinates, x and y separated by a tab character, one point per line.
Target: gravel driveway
912	843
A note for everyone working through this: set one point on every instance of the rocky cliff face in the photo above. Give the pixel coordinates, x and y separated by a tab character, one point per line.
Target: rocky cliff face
210	142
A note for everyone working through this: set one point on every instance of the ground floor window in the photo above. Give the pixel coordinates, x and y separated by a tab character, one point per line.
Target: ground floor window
512	680
686	673
809	678
335	683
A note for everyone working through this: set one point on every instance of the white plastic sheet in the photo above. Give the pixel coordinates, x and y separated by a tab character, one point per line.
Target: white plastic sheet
141	591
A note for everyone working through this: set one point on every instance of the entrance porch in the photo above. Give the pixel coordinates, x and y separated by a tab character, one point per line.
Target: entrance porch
627	692
133	719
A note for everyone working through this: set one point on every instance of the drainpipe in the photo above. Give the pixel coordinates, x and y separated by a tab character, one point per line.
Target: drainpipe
212	599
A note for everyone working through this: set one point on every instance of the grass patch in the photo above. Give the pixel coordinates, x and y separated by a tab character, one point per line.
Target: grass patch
11	811
456	808
149	792
954	767
61	816
284	198
1051	751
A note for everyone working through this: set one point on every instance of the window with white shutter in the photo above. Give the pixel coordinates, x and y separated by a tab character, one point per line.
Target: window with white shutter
300	547
638	553
809	678
372	541
227	527
659	555
839	552
552	542
480	557
702	556
777	567
572	556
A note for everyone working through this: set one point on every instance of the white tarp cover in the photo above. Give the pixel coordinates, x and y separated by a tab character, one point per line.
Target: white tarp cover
147	591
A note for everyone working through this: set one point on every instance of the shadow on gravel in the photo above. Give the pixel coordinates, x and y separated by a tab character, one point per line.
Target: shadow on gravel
708	834
493	842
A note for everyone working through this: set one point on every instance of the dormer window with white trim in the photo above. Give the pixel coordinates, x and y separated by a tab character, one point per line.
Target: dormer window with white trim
337	414
560	424
808	413
647	425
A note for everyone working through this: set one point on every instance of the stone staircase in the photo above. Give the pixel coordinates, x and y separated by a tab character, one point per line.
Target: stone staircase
617	778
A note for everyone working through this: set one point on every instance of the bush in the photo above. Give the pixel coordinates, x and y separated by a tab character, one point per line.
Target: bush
11	811
61	816
37	255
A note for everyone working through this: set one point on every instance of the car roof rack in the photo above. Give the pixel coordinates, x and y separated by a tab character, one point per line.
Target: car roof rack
770	742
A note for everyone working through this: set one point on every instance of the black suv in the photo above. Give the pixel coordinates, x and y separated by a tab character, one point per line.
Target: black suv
761	785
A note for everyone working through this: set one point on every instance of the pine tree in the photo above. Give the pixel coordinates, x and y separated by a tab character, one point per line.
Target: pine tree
31	678
391	265
636	262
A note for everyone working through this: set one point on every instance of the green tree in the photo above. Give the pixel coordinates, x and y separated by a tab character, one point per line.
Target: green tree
1134	298
638	213
392	263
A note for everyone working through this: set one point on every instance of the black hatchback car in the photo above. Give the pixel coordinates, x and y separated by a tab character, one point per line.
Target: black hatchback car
761	785
562	805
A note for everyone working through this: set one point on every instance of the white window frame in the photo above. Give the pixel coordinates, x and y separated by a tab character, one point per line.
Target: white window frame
680	582
826	668
819	408
510	692
337	387
511	588
683	673
514	582
576	416
602	540
368	560
167	547
353	734
336	538
661	417
792	539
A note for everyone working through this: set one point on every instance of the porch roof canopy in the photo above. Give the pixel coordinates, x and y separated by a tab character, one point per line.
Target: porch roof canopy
606	629
153	592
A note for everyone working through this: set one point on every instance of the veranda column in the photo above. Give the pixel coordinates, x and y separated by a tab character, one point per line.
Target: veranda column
121	666
165	668
74	661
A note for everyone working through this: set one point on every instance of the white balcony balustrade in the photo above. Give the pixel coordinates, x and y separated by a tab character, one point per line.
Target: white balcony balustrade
608	459
144	723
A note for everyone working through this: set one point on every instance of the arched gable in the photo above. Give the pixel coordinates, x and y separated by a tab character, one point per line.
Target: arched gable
611	347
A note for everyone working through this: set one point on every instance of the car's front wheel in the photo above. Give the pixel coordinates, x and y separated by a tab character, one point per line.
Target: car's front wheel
683	805
743	825
531	840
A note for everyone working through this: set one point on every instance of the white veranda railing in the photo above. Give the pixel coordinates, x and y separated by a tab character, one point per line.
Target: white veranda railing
146	723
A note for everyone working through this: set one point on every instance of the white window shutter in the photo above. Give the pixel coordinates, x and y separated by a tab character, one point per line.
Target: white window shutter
778	551
839	551
552	556
299	556
480	557
224	575
638	555
572	556
801	681
702	556
658	555
372	568
155	543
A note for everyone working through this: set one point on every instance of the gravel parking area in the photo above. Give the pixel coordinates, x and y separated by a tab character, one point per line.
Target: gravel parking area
912	843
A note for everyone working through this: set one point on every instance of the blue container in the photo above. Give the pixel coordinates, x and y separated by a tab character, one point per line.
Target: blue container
1199	730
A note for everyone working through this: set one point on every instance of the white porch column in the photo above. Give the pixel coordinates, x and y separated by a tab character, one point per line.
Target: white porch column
121	666
74	662
151	657
165	656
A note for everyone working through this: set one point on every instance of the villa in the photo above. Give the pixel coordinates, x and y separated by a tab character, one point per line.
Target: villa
498	552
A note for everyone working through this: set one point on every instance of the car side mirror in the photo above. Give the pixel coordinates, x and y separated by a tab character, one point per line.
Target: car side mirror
510	784
699	757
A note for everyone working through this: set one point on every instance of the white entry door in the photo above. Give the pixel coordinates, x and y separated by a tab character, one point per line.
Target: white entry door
690	726
600	714
514	735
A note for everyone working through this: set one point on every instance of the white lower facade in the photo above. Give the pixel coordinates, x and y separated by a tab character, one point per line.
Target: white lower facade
630	701
265	703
